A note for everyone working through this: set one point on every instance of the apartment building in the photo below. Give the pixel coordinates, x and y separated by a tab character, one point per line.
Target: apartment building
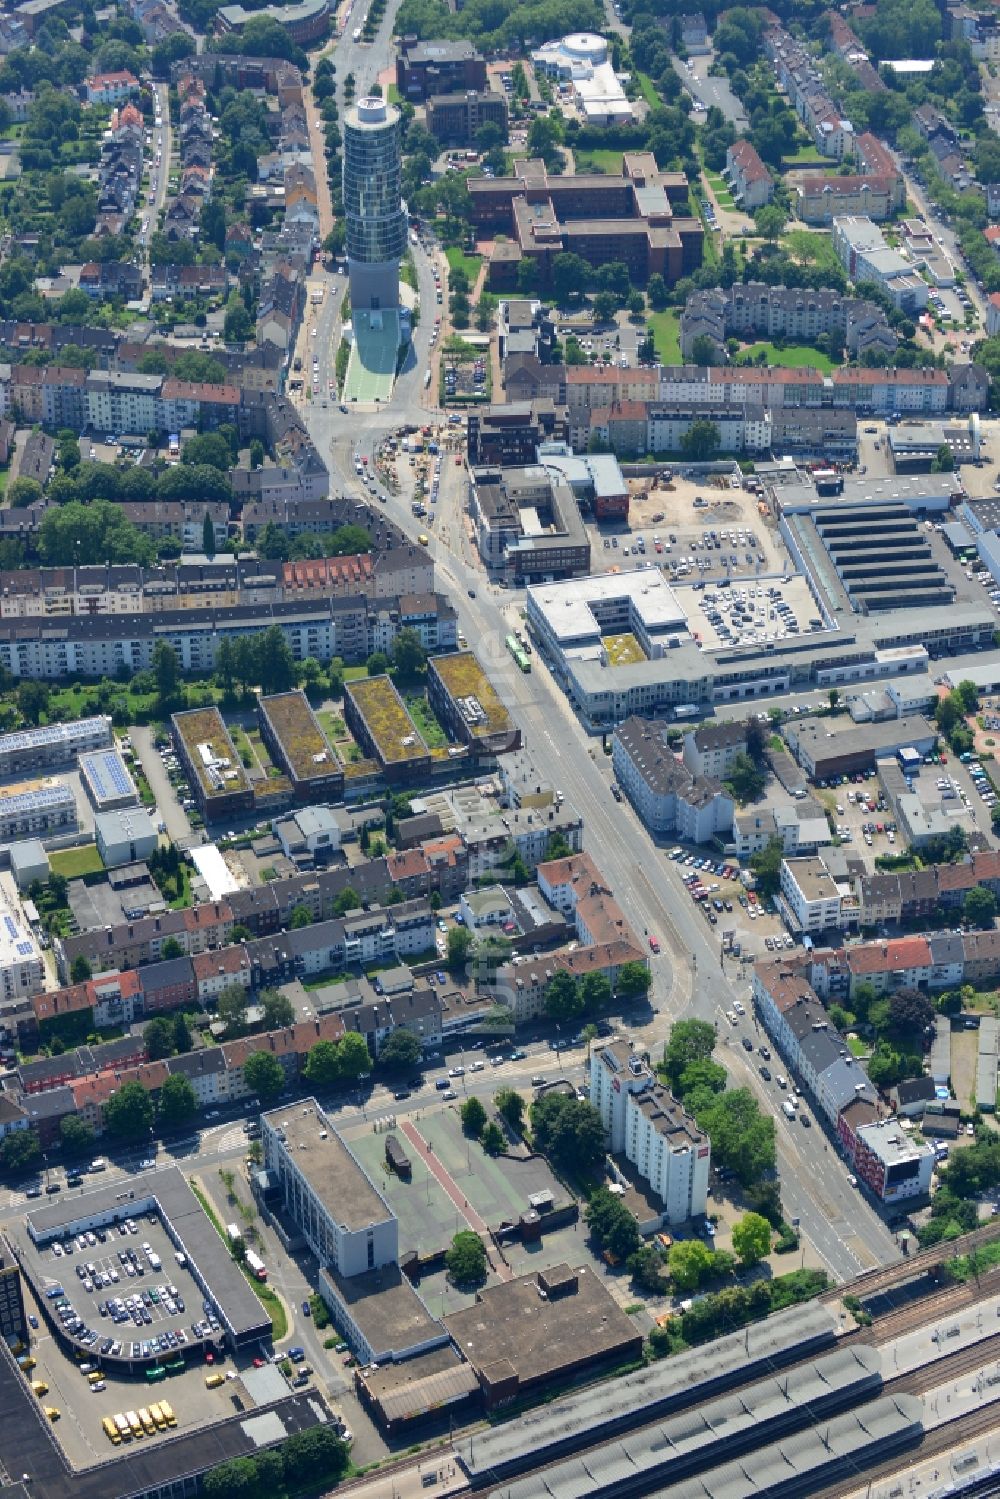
646	1124
751	183
668	796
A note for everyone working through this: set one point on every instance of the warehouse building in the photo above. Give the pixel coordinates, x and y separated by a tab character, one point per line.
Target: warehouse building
125	837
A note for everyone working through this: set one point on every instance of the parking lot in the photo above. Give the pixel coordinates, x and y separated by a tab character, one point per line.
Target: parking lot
746	613
125	1291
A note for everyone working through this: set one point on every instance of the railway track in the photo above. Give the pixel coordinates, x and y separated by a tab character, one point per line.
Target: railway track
872	1281
963	1361
967	1429
916	1314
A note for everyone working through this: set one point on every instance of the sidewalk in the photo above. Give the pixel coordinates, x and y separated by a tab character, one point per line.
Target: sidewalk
408	1483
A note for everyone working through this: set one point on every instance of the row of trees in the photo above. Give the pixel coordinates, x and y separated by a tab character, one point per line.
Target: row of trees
304	1461
568	999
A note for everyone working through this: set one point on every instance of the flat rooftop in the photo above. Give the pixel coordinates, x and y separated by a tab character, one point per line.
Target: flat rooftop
211	751
297	730
167	1193
387	720
539	1338
464	678
334	1173
572	609
386	1308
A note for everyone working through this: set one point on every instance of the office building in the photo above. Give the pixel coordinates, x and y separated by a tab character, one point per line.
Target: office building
373	205
646	1124
346	1221
892	1163
424	69
453	119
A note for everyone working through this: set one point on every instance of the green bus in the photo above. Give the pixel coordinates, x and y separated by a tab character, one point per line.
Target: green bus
157	1372
518	653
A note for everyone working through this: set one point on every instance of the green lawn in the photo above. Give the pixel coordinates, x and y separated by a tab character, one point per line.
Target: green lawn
665	328
648	89
74	863
815	249
720	190
805	154
598	160
459	261
795	357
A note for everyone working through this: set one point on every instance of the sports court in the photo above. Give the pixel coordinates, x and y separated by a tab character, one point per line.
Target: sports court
371	372
496	1187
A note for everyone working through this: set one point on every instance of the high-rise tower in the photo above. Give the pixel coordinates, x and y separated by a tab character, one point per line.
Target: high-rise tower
374	212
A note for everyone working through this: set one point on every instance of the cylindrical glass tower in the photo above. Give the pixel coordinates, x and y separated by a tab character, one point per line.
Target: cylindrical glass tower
374	211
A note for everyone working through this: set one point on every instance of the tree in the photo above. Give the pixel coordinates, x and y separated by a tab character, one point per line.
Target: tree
510	1106
459	946
20	1151
704	351
465	1261
315	1454
80	970
24	492
742	1136
766	866
355	1060
701	441
492	1139
605	305
264	1075
32	701
167	672
562	999
182	1033
943	461
611	1224
231	1008
770	221
171	949
322	1064
473	1117
689	1263
646	1268
746	780
968	695
569	276
177	1101
347	900
401	1053
128	1114
834	696
980	907
689	1041
633	979
568	1129
159	1038
595	993
75	1134
911	1013
408	655
279	1011
208	536
300	917
751	1238
656	291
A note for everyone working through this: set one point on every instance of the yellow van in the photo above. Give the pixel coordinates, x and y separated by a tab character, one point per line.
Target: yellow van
111	1431
134	1424
158	1417
53	1412
167	1410
213	1381
39	1386
95	1376
26	1363
148	1424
